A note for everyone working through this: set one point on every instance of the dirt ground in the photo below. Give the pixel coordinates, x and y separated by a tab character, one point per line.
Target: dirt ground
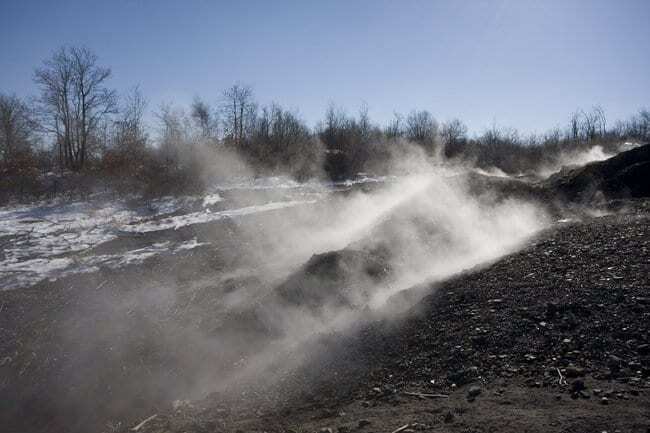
551	338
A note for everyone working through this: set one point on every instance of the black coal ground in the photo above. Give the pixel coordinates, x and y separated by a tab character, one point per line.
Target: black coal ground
556	337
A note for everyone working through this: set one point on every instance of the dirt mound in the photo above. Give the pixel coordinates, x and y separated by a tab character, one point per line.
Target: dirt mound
624	175
552	338
501	187
337	279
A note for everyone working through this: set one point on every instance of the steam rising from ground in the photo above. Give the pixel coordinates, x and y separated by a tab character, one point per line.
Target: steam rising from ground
318	267
585	156
423	227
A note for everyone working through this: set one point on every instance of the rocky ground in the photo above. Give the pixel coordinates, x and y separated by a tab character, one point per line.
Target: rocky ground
552	338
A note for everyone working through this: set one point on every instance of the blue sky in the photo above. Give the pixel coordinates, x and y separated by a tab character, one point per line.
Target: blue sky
523	64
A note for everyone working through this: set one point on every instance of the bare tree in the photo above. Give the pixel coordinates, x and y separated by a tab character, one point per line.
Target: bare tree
16	127
422	128
453	132
174	136
130	134
600	120
396	127
365	126
279	136
74	100
205	119
574	126
552	137
644	124
238	108
333	128
589	125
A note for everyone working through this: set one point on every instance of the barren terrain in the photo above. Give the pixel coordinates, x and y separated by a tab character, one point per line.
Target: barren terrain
238	312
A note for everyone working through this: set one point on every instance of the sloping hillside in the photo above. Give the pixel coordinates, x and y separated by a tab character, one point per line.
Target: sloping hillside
624	175
552	338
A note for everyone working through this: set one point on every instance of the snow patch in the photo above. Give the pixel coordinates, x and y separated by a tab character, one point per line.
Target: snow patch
211	199
29	272
176	222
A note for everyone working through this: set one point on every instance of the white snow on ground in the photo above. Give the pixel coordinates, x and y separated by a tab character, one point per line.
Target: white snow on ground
362	179
34	239
136	256
259	183
179	221
51	239
282	182
211	199
31	272
190	245
35	235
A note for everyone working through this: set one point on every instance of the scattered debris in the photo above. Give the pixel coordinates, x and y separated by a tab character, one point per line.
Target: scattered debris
402	428
143	423
363	423
474	391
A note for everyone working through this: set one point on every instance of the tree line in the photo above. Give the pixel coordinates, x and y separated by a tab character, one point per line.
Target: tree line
78	124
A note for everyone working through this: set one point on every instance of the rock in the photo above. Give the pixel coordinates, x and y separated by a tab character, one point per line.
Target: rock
578	385
642	300
573	371
532	383
363	423
461	377
551	310
474	391
449	418
614	363
643	349
604	400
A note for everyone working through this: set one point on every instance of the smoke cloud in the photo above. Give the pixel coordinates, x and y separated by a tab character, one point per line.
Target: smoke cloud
275	281
325	266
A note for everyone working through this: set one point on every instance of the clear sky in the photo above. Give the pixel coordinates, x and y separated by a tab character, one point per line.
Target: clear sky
519	63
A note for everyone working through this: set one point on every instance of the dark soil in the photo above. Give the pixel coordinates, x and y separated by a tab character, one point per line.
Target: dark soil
552	338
